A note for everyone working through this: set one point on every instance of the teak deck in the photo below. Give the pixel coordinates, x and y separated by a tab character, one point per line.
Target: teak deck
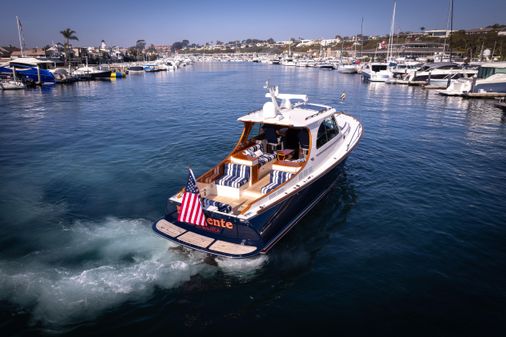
202	241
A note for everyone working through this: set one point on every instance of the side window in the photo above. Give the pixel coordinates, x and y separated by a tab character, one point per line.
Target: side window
256	130
327	130
321	138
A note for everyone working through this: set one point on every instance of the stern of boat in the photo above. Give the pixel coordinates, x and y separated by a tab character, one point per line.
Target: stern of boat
222	235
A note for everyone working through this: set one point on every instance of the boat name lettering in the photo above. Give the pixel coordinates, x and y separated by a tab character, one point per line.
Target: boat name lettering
220	223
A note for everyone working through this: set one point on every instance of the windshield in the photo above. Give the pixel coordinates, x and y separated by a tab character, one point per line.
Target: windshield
377	68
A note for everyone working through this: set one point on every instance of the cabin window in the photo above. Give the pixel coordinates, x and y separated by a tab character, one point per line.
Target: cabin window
379	67
328	130
485	72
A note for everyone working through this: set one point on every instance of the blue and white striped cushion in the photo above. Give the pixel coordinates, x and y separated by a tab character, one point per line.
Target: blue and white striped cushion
250	151
235	175
222	207
276	178
262	160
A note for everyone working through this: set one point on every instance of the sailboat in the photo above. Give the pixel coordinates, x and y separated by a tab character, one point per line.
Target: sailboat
350	67
31	68
380	71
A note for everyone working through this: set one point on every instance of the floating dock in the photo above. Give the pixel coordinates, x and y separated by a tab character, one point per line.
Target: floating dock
434	86
417	83
484	95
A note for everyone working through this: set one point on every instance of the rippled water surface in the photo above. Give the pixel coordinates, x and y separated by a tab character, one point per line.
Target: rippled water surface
411	241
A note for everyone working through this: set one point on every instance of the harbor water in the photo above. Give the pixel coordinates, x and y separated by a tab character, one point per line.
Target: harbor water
410	241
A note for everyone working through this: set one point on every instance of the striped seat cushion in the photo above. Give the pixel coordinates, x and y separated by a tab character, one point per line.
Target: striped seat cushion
264	158
250	151
222	207
235	175
276	178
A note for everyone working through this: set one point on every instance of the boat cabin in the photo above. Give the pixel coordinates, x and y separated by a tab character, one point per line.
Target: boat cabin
488	69
276	144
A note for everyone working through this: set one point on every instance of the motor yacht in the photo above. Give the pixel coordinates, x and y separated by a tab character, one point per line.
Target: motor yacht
441	72
376	72
491	77
92	73
288	157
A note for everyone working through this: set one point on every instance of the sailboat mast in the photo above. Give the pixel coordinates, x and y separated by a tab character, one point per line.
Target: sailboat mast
391	39
362	37
19	34
451	28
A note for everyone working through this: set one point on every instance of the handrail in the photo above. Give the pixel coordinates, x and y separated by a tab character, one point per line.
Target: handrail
353	136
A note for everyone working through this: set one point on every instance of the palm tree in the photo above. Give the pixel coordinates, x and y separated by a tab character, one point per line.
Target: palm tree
68	34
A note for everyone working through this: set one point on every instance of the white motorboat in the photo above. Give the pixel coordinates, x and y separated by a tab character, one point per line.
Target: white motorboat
376	72
12	85
491	77
347	68
441	72
404	69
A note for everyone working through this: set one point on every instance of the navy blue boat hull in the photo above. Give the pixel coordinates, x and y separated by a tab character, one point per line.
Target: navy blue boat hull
267	228
31	73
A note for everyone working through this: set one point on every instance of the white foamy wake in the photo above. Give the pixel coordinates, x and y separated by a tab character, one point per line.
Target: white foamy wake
101	265
113	261
242	269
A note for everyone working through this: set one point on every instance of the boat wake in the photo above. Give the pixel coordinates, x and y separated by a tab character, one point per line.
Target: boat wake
100	266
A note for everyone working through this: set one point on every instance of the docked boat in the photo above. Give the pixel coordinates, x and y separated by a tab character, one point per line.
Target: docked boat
136	69
12	85
152	68
324	65
347	68
287	158
491	77
381	71
92	73
404	69
441	72
63	75
36	70
376	72
288	61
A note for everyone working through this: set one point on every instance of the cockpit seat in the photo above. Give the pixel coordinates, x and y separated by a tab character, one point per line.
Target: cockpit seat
220	206
258	151
235	175
276	178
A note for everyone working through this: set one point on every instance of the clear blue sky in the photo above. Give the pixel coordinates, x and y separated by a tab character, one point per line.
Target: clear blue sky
164	22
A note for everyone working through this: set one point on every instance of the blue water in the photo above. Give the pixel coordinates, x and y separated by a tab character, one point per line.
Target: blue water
411	241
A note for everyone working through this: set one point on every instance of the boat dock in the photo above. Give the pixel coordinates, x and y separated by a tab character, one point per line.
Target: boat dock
488	95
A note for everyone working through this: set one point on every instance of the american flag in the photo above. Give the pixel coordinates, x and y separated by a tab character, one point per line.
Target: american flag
191	207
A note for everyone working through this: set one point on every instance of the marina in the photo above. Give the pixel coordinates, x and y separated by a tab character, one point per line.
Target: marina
253	169
88	168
